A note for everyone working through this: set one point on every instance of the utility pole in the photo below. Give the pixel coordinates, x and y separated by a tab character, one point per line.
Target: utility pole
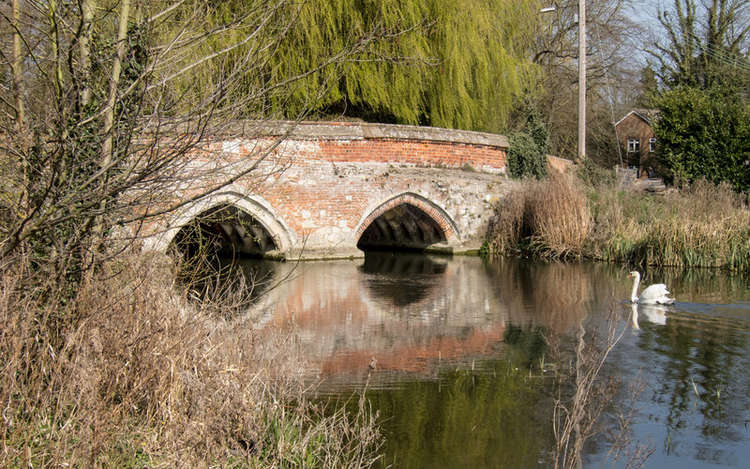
581	80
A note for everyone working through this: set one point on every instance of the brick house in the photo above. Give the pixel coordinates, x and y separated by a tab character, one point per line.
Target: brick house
636	138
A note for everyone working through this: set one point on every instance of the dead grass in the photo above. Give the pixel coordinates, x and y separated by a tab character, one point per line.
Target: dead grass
703	225
549	218
559	215
142	377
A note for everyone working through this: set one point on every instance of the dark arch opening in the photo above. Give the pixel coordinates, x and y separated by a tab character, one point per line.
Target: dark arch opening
223	251
224	231
404	227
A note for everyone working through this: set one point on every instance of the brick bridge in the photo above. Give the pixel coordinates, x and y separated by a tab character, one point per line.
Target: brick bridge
335	189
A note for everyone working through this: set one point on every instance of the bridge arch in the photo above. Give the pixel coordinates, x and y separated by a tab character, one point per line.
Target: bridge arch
423	222
234	197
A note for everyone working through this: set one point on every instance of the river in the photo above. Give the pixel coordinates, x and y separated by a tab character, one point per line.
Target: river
456	356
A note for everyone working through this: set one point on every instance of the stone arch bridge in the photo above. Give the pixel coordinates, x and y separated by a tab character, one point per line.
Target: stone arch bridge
335	189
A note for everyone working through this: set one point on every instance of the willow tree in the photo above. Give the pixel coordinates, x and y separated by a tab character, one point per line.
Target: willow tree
442	63
484	53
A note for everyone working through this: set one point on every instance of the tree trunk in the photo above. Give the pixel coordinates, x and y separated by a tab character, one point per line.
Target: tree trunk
87	13
114	82
17	63
109	118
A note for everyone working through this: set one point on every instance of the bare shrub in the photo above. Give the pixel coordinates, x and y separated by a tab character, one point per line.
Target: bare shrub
147	378
585	394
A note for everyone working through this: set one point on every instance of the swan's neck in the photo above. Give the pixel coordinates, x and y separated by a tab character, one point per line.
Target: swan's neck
634	293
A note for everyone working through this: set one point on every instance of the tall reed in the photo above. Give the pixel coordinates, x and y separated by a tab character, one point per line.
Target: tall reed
548	218
703	225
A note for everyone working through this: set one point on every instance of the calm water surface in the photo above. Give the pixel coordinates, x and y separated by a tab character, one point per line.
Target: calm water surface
458	345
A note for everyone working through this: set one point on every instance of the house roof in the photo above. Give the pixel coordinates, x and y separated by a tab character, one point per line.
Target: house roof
647	115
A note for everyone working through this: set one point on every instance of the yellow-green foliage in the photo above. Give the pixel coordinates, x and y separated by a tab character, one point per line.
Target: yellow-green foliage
442	63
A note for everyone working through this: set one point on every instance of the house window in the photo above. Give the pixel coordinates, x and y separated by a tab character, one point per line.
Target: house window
652	144
634	145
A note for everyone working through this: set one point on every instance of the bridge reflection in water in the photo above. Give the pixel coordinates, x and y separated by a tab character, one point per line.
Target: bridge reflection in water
413	313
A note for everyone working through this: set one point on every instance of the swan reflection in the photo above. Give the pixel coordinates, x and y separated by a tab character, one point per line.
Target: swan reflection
634	316
655	314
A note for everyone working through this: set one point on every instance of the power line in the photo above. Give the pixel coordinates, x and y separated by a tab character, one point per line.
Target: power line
722	55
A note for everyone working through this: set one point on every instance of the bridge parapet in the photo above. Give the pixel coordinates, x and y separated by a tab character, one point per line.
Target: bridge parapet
388	143
322	130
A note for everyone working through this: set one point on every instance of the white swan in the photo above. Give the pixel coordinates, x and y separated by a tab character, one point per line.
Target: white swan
656	294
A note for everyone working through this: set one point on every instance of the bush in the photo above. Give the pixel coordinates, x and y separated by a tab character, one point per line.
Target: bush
594	175
525	157
527	152
704	134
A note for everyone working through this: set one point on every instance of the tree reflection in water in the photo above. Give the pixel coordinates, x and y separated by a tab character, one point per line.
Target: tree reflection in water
498	416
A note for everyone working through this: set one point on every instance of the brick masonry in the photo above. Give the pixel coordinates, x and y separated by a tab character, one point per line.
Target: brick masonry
324	183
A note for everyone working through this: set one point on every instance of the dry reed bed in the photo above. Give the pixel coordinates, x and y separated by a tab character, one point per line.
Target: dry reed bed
137	376
703	225
549	218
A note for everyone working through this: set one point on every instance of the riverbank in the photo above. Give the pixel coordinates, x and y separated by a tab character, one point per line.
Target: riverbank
132	374
702	225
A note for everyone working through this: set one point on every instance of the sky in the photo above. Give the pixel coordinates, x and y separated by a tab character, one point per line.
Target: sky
645	13
647	9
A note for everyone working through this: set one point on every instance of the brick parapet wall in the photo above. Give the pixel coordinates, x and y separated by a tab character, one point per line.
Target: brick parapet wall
359	130
414	153
384	143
